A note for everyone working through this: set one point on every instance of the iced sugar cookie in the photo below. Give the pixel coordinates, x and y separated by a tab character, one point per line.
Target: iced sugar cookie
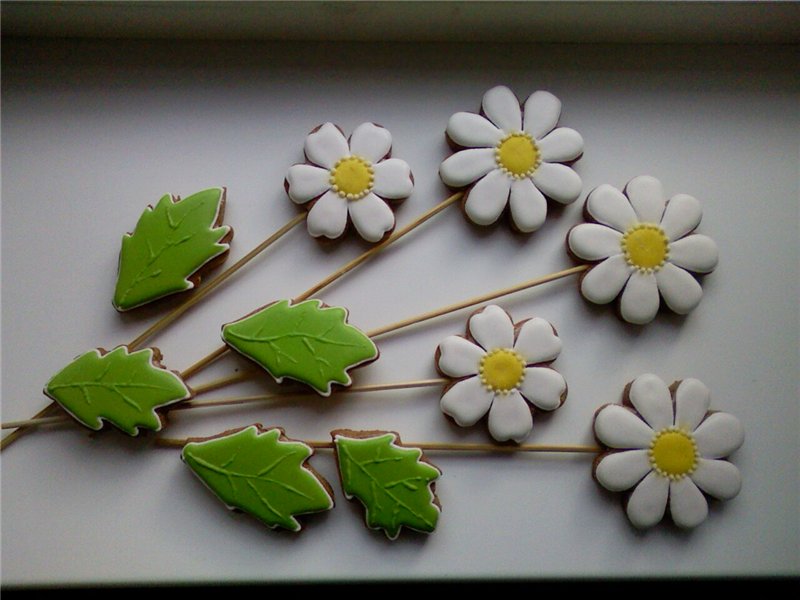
512	155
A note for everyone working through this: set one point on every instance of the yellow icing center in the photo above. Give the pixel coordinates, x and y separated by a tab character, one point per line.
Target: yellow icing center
645	247
517	155
352	177
502	370
673	453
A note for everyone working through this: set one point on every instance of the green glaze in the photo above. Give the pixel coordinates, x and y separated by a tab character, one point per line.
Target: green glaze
307	342
171	243
260	474
120	387
391	482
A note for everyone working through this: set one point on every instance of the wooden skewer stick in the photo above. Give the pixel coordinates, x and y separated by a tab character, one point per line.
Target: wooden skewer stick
412	320
428	446
372	387
169	318
222	350
210	286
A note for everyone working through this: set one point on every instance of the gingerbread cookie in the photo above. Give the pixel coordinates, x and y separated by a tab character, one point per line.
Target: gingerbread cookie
349	181
512	156
642	247
502	369
261	472
667	449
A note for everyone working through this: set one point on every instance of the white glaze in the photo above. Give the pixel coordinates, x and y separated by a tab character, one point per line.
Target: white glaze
476	163
641	290
716	436
328	215
467	400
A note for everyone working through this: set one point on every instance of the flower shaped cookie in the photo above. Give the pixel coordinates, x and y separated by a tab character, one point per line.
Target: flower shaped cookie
512	156
644	248
352	179
668	449
502	369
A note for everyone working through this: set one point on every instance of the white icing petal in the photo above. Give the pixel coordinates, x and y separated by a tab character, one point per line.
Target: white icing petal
618	427
528	205
558	182
536	342
687	505
681	292
620	471
392	179
487	198
542	110
510	417
717	478
719	435
502	107
492	328
696	252
543	387
607	205
682	215
328	216
561	145
692	399
473	131
371	141
464	167
459	357
591	241
640	301
646	195
467	401
371	216
307	182
648	501
326	145
650	396
605	281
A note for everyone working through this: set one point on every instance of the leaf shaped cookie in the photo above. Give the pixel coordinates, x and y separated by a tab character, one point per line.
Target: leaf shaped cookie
261	473
122	388
309	342
394	483
170	244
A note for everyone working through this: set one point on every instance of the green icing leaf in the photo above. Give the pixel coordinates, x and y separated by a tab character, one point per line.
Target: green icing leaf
170	244
120	387
308	342
260	473
395	487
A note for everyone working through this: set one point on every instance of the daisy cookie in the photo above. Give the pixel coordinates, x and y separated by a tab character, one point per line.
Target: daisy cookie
502	369
667	449
349	181
512	155
642	248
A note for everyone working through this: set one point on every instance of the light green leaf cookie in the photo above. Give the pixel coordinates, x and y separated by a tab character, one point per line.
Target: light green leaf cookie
309	342
122	388
261	473
395	486
170	244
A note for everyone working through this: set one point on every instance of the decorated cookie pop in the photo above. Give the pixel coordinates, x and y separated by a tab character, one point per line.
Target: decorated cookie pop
512	155
665	446
349	180
501	369
642	246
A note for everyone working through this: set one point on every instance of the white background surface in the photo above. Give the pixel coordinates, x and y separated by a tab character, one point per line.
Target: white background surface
94	131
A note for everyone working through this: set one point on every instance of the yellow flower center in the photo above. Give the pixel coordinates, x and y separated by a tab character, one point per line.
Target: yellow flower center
673	453
645	247
352	177
517	155
502	370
